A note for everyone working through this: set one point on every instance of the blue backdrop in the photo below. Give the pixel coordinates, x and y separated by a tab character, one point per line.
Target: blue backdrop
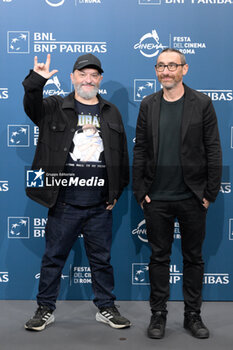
127	36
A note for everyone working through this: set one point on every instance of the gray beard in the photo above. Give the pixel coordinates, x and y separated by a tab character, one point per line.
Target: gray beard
86	95
169	86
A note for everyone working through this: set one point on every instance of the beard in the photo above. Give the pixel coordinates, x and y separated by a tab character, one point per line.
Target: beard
87	95
169	85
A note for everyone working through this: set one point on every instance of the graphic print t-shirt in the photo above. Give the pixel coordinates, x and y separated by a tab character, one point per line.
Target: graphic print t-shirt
88	184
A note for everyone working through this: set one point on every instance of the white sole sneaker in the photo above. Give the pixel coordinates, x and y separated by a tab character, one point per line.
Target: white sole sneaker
101	318
51	319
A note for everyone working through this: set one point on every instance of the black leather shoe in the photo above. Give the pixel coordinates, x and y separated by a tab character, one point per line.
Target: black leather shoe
193	322
157	325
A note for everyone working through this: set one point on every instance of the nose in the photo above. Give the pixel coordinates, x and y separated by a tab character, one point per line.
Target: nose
88	78
166	68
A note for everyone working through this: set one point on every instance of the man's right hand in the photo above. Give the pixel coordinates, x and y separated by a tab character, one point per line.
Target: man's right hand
147	199
43	68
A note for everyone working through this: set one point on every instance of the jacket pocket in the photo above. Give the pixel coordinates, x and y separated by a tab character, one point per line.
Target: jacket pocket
116	132
53	135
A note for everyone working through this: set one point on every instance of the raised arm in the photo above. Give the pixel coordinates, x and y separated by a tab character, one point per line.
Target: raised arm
34	104
43	68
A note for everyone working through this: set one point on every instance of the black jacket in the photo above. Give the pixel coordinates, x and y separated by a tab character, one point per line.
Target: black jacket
56	118
200	151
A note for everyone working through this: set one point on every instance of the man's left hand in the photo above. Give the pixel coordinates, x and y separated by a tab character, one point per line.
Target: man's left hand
205	203
111	206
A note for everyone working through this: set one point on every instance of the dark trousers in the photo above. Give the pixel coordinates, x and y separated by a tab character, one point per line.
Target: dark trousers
160	231
64	223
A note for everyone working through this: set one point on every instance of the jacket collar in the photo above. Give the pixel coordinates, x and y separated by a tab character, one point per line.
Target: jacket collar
155	118
188	110
187	93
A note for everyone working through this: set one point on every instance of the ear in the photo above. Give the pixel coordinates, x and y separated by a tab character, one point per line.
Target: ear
72	77
156	72
185	69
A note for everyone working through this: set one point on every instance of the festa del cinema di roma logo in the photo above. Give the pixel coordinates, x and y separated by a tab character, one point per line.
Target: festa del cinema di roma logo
149	45
140	231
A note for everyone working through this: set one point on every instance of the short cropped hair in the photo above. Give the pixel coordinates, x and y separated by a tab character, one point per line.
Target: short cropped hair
182	56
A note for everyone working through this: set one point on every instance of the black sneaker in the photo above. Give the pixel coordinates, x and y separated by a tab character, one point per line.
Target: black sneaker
113	317
43	316
157	325
193	322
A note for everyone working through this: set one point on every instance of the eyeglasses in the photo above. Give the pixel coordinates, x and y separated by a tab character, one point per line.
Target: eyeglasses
170	66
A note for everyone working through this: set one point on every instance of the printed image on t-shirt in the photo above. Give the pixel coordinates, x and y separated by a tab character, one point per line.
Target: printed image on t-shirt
86	160
88	144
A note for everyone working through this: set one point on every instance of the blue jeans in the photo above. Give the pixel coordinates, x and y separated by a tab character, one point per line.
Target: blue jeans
64	223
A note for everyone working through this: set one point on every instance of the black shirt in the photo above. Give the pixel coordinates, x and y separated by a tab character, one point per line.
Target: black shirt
168	184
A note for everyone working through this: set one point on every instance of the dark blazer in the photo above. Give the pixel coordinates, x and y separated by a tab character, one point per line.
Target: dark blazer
57	120
200	151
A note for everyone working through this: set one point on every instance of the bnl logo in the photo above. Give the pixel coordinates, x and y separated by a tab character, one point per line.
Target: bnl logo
18	136
140	273
18	42
231	229
18	227
143	88
35	178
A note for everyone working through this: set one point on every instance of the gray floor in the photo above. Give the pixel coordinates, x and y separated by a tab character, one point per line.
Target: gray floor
75	328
